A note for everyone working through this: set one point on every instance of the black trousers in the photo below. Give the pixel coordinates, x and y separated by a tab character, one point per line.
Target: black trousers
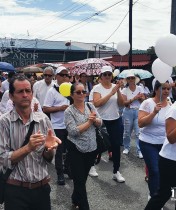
61	134
21	198
114	128
80	165
167	170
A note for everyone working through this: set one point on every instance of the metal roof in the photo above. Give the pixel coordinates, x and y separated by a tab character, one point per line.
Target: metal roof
50	45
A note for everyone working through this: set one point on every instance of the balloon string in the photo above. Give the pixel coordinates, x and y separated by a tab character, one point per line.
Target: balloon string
120	62
161	94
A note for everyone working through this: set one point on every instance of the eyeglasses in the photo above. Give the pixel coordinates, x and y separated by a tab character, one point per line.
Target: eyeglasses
62	75
165	88
130	77
48	75
107	74
79	92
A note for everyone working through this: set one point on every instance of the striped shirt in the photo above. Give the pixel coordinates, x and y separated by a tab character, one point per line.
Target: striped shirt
33	167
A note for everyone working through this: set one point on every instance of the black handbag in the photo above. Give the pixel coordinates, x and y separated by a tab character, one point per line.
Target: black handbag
4	176
102	137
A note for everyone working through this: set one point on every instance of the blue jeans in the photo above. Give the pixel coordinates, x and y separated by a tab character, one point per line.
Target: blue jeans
130	120
151	157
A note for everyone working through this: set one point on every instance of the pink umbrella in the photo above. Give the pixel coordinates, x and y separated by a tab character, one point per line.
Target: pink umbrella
90	66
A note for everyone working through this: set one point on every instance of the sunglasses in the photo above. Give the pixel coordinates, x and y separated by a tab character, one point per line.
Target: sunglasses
130	77
47	75
107	74
62	75
79	92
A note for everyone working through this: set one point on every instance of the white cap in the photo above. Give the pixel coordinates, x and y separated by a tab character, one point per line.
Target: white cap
106	69
60	68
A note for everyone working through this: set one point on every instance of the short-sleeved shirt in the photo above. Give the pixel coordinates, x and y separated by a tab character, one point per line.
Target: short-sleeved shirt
53	99
155	132
110	110
169	150
40	88
131	94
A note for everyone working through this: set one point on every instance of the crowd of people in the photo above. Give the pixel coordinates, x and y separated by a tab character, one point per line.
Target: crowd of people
64	127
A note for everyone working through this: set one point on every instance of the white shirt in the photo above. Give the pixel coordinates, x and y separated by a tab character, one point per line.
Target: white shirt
169	150
131	94
10	105
155	132
3	102
54	98
4	86
91	93
110	110
40	88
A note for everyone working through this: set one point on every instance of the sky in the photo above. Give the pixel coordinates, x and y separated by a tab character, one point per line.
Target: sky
89	21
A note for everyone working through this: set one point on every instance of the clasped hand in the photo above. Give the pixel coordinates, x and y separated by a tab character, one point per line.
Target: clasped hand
115	89
50	141
92	116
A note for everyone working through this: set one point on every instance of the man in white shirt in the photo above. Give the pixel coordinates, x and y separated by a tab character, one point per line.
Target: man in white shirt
55	104
40	88
5	83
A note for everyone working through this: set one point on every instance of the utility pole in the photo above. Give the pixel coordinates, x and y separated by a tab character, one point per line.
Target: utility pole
130	33
173	17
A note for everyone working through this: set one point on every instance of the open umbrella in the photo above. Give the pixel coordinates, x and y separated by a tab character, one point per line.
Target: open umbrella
32	69
90	66
4	66
143	74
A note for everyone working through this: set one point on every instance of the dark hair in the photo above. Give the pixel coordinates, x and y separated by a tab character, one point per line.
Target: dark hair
157	86
73	87
19	78
11	74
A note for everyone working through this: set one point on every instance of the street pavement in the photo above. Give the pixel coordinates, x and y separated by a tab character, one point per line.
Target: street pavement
105	193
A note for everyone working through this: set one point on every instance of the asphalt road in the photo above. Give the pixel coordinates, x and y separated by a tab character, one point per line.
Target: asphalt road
105	193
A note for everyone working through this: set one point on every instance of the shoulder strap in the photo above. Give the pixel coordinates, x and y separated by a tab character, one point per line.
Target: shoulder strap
31	127
88	105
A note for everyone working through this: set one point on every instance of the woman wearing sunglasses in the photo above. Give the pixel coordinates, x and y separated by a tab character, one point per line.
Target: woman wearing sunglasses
152	113
107	99
80	124
133	96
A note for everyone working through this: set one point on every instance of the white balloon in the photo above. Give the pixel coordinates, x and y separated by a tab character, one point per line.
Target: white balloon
123	47
116	72
161	70
165	49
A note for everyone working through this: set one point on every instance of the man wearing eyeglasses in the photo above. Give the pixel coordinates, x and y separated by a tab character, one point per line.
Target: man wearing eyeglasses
40	88
55	104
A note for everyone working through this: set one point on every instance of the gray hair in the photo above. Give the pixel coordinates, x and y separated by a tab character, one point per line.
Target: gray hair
49	68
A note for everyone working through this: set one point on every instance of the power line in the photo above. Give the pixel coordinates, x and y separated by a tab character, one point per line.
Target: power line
116	28
62	16
42	28
95	14
119	24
